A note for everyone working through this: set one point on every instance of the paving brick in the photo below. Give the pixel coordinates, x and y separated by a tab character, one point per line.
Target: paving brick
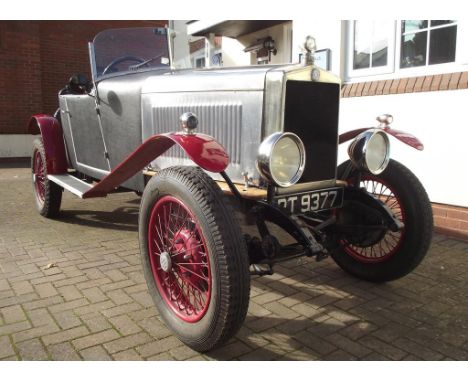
281	310
115	275
354	348
381	347
22	287
67	319
32	350
6	348
95	353
230	351
94	308
306	310
68	305
157	347
121	309
128	342
14	328
358	330
70	292
127	355
315	343
46	290
420	351
36	332
95	322
166	356
339	355
143	298
267	297
94	294
125	325
303	354
95	339
65	335
119	297
182	353
63	352
12	314
4	285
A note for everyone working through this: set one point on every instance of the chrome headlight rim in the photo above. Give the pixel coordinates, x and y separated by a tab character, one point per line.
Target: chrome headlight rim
358	151
264	158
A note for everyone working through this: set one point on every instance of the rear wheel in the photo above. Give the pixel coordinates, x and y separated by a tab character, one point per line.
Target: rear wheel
380	254
48	195
194	257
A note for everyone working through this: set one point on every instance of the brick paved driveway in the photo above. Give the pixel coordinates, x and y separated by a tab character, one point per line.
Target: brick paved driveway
94	304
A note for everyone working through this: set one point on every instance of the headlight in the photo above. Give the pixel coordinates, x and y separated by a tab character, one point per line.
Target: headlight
370	151
281	159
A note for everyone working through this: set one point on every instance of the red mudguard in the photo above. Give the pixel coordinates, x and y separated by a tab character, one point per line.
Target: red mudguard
205	151
52	137
202	149
407	138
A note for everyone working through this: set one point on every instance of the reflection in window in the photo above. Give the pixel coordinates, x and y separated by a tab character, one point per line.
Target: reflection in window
425	42
371	44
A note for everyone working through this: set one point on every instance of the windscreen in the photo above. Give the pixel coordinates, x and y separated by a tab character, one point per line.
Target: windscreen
130	49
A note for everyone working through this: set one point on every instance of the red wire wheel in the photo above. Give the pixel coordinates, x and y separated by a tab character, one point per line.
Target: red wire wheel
384	245
179	259
193	256
371	251
47	194
39	176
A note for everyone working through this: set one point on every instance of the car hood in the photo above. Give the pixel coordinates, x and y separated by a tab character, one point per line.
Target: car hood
220	79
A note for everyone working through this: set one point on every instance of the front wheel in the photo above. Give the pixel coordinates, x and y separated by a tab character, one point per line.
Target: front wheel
194	257
48	195
382	255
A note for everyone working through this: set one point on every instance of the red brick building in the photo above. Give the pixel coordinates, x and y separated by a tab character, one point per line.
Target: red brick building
36	60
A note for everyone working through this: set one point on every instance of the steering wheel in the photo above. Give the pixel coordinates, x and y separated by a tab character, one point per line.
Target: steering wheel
119	60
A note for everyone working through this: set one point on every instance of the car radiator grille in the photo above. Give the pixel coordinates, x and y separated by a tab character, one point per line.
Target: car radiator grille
311	112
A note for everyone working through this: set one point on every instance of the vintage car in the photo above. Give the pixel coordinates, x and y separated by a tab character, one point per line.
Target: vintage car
208	148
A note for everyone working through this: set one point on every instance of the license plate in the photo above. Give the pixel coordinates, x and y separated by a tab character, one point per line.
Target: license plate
311	201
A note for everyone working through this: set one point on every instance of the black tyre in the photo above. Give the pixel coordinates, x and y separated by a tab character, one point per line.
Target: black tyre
194	257
48	195
384	255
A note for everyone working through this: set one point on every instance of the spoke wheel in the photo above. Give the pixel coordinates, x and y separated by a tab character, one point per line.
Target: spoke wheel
378	254
47	194
194	257
39	176
378	246
179	261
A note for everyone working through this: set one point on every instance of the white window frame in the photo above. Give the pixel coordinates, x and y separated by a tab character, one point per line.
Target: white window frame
393	70
427	69
389	68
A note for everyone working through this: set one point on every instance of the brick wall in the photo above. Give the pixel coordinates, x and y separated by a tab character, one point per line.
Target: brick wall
36	60
430	83
451	220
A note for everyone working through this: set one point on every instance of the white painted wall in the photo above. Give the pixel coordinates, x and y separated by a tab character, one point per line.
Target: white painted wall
15	145
438	120
233	53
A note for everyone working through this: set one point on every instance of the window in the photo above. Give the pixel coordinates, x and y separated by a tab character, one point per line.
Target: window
371	45
200	62
427	42
404	48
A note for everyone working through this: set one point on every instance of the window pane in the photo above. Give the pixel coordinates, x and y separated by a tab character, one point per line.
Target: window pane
442	45
362	44
434	23
380	43
413	50
413	25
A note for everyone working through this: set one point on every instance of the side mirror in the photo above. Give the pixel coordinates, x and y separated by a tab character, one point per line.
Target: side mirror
80	84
